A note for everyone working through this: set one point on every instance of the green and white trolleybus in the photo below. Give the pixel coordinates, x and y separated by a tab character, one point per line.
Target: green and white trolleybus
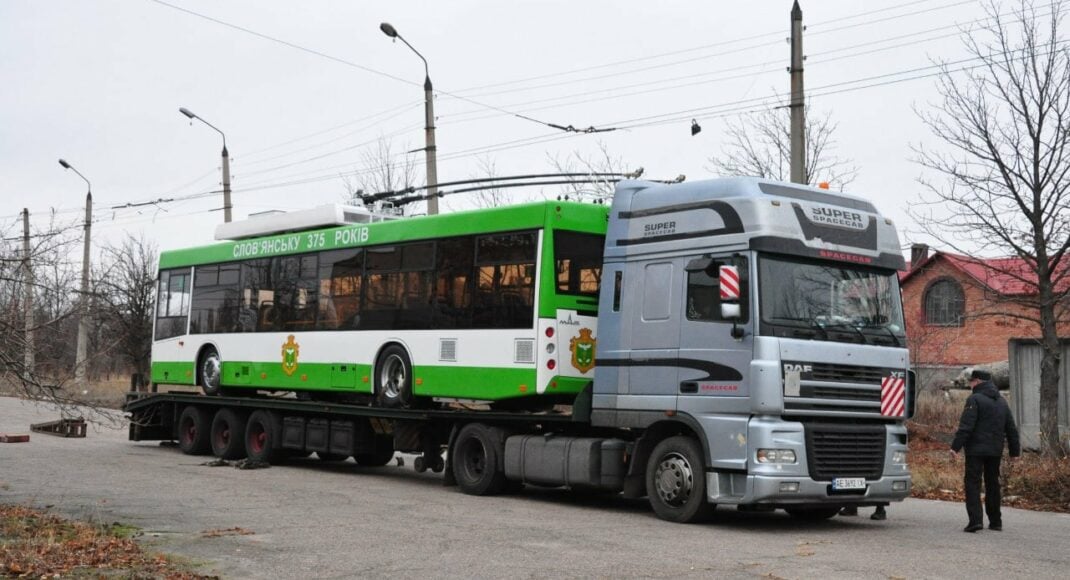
458	306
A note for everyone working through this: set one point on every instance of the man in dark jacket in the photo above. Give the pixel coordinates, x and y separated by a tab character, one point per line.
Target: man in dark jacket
986	423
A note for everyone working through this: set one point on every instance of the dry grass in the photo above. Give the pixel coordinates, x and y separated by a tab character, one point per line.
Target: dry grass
1034	482
107	392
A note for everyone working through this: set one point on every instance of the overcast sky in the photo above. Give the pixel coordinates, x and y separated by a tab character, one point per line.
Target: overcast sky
302	88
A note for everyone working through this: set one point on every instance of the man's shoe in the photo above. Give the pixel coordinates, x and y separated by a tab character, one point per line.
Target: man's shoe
996	527
973	528
880	514
849	511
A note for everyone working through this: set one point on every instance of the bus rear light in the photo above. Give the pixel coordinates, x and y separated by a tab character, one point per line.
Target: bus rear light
551	364
549	332
550	348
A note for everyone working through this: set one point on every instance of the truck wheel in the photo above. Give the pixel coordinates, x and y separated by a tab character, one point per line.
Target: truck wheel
210	372
393	379
228	434
193	431
262	437
676	481
477	459
812	514
384	452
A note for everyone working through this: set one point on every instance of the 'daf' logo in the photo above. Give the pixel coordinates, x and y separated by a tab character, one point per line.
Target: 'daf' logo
290	351
583	347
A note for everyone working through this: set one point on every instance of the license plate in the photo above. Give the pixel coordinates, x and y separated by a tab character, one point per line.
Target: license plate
848	483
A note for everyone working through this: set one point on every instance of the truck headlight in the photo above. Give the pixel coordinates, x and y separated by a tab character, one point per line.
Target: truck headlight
899	457
776	456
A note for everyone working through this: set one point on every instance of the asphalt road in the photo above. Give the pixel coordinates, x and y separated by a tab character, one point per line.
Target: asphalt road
314	520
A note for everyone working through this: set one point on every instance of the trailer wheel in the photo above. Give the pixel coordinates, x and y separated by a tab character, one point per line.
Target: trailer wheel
262	437
384	452
393	379
812	514
676	481
477	459
228	434
210	372
193	431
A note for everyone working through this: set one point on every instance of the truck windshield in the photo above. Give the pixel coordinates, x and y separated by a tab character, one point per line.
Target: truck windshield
830	301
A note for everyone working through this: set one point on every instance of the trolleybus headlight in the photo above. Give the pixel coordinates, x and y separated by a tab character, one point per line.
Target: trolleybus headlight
776	456
899	457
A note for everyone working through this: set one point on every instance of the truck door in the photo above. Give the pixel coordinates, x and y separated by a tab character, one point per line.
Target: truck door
655	329
714	364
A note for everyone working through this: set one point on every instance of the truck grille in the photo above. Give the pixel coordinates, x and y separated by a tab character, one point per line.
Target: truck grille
828	388
845	451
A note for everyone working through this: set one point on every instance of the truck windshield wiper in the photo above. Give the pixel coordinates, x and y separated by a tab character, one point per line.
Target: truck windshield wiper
865	340
895	338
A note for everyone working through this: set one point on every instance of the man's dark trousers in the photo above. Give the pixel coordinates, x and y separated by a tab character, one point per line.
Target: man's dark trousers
988	466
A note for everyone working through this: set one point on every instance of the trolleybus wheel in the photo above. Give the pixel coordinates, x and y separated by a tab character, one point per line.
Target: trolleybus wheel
193	431
210	372
228	434
262	436
812	514
477	459
393	379
676	481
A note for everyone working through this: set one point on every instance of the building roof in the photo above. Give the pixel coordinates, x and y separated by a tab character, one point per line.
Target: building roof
1006	276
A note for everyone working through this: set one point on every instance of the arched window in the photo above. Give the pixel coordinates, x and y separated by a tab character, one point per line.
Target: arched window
944	303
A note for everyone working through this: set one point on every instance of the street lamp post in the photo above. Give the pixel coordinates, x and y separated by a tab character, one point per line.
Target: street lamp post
83	310
429	124
226	162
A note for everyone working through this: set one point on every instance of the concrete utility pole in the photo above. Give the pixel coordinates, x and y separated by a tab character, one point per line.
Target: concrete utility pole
429	124
83	315
226	160
798	102
27	279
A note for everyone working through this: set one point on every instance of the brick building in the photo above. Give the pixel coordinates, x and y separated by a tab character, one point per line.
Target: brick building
960	311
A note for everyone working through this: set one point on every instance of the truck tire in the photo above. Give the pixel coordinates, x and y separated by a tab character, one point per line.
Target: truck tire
477	460
384	452
193	431
812	514
210	372
393	379
228	434
676	481
262	436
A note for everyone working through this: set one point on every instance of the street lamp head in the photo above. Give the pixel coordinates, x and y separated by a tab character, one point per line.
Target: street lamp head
187	112
388	30
64	164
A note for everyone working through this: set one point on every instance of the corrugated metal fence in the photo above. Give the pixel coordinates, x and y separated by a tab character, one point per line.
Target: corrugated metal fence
1025	354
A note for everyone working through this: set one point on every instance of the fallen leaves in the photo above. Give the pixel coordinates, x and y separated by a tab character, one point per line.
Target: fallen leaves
37	544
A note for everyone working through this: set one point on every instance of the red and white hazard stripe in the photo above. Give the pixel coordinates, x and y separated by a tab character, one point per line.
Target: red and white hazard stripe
893	396
729	282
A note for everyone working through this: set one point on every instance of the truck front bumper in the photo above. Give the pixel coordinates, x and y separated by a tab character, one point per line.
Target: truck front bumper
776	491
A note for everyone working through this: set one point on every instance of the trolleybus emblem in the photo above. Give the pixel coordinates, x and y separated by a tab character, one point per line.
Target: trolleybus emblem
290	352
582	348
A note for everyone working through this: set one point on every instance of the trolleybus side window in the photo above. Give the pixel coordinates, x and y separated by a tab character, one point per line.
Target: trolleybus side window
578	262
215	299
296	292
452	307
172	303
341	276
505	295
256	311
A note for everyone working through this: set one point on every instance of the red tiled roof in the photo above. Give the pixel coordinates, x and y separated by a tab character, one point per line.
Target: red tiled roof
1007	276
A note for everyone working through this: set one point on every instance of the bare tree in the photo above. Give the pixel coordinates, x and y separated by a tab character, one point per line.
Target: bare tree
599	188
125	290
759	145
1004	177
383	170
